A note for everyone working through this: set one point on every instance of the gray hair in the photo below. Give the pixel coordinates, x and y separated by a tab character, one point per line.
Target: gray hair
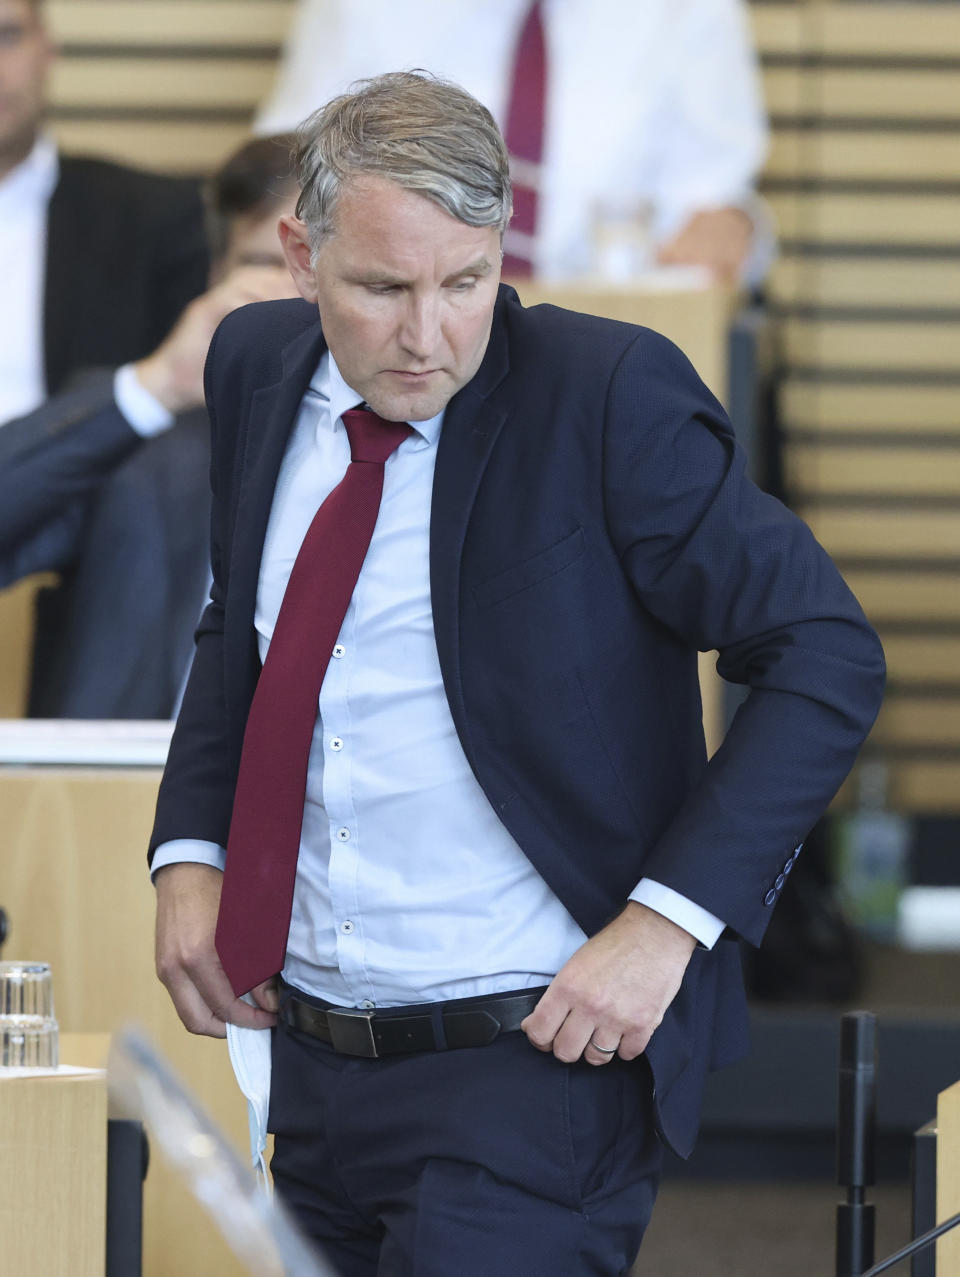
424	133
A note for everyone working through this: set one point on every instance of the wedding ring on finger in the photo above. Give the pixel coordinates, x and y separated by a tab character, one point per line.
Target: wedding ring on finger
604	1050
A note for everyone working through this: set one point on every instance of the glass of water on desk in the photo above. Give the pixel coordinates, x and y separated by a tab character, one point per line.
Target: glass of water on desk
29	1036
623	245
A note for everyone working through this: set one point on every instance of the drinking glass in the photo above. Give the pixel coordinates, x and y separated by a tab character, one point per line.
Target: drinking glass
29	1035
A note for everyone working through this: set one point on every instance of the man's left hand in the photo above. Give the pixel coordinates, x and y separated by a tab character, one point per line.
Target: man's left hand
614	991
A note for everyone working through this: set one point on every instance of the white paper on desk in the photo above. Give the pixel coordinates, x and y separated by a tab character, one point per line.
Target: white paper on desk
63	1070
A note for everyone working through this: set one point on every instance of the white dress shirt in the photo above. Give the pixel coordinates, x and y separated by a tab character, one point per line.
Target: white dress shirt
24	196
653	106
408	889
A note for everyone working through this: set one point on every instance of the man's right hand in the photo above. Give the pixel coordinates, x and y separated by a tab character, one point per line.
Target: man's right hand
188	898
173	374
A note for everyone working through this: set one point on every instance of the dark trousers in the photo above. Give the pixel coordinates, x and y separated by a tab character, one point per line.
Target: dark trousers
479	1162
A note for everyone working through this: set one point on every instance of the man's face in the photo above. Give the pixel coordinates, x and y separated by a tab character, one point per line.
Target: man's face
253	240
25	55
406	295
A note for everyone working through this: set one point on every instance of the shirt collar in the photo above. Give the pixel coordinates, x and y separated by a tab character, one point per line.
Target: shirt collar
328	383
33	179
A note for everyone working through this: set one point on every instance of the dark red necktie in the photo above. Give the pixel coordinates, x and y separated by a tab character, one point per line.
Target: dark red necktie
264	841
524	138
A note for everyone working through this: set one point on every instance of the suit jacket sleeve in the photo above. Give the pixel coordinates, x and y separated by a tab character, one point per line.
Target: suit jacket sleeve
196	792
51	461
726	566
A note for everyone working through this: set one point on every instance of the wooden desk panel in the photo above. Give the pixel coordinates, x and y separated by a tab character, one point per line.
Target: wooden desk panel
16	642
53	1175
73	879
948	1176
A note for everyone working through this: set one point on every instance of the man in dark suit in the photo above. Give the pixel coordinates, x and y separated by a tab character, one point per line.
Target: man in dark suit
98	261
87	489
108	256
437	797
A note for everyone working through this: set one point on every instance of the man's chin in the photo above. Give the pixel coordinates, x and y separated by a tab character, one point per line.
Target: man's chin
411	405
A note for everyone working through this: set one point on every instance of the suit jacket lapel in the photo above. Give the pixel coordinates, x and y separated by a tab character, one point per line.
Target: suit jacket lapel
273	411
473	420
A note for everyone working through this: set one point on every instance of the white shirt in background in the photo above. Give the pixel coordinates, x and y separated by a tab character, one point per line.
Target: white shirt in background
654	107
24	197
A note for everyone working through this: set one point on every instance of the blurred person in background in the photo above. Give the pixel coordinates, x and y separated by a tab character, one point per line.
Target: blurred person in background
635	127
109	482
97	260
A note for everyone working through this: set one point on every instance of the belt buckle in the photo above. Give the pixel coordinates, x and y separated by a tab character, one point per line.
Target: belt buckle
351	1032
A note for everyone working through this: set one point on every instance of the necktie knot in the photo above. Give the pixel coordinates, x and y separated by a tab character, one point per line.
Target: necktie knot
371	437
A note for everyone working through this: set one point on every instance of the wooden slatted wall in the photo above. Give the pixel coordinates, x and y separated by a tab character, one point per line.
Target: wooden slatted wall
170	84
864	177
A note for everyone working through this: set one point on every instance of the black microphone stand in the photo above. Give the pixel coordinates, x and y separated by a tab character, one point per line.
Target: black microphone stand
856	1141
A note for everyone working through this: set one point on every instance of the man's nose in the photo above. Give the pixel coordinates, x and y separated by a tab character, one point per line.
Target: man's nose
420	334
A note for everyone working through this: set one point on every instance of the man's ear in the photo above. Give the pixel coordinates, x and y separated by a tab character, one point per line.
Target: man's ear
296	249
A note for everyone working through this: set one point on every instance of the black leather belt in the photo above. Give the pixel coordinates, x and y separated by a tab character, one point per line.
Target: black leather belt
427	1026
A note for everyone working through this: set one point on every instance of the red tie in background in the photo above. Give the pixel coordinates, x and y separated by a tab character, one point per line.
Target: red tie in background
524	139
264	840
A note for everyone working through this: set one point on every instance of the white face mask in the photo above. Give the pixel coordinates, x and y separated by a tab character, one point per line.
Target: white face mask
250	1056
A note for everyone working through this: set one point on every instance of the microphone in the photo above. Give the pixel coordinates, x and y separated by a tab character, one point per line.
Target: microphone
856	1151
856	1141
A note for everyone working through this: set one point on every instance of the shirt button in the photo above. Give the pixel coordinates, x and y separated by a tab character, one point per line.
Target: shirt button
339	651
343	835
346	927
336	744
367	1005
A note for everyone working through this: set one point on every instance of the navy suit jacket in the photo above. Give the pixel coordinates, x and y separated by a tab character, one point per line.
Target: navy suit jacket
126	521
126	251
592	528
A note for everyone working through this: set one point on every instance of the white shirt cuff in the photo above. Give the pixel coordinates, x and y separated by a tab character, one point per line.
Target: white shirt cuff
143	412
188	851
700	923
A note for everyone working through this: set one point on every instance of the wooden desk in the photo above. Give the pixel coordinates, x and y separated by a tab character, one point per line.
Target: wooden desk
73	879
53	1174
948	1176
16	642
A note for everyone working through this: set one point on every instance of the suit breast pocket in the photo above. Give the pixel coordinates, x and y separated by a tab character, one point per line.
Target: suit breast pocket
531	571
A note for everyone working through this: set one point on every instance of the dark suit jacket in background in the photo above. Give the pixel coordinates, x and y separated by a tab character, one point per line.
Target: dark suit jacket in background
591	529
126	252
127	521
